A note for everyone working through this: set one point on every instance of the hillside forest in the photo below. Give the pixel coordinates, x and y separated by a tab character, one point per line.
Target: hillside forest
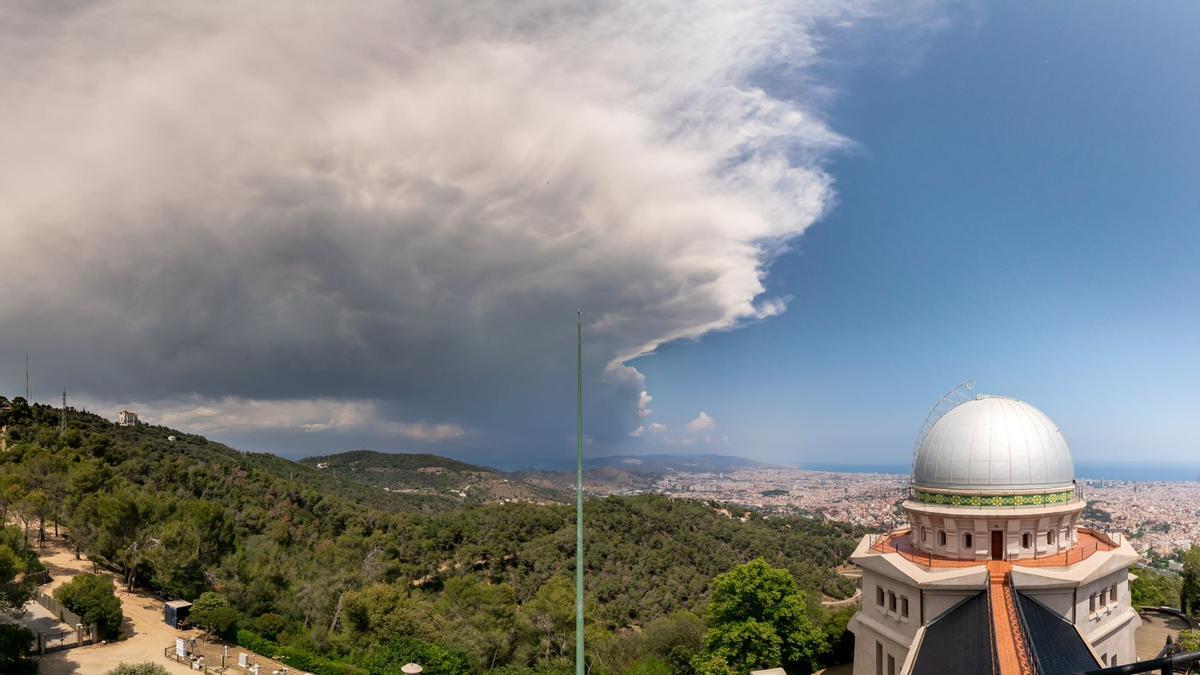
336	575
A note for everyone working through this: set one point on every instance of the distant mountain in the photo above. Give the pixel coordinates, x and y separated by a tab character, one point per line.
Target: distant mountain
662	464
425	474
632	474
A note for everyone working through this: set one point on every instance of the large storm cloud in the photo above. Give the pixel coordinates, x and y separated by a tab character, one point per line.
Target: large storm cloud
371	223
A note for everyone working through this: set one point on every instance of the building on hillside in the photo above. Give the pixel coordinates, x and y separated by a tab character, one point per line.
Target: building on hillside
992	573
127	418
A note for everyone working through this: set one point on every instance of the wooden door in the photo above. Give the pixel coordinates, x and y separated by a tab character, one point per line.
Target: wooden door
997	545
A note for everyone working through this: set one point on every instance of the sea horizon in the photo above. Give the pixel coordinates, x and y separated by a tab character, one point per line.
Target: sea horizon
1125	471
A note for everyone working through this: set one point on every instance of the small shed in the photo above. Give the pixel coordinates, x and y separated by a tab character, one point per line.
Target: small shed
175	611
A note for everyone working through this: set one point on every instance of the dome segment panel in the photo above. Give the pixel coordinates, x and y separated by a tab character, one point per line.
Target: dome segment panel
994	444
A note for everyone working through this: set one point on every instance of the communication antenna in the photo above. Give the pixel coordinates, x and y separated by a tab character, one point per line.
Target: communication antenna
579	663
27	400
953	398
62	422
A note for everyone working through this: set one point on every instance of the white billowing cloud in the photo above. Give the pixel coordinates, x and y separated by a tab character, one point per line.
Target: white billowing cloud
402	203
643	406
657	427
702	424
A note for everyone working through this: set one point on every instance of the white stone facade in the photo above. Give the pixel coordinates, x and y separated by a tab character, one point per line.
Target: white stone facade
992	482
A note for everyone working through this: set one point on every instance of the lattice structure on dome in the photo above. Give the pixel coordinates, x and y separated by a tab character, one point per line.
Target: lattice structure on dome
953	398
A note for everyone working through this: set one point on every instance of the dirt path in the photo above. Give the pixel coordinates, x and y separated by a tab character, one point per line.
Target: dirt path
147	634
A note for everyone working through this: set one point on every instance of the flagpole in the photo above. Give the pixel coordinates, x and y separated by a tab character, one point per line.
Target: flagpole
579	664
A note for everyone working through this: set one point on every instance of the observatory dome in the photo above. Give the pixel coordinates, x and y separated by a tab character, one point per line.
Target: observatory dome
993	444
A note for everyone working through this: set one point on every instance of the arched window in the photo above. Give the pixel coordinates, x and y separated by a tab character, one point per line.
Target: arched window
879	595
941	537
925	535
1050	537
1026	540
891	601
968	541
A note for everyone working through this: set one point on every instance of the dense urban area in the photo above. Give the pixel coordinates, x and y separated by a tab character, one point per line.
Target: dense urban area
1161	518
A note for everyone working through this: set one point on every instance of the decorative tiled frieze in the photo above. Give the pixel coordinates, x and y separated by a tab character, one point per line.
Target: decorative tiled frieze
950	499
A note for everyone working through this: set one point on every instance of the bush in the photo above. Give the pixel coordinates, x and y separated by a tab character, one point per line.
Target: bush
270	625
146	668
296	657
16	645
436	660
91	597
255	643
212	612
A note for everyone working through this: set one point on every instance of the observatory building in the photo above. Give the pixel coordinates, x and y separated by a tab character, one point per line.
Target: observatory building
992	573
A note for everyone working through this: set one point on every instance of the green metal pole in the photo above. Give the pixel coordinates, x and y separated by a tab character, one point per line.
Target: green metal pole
579	669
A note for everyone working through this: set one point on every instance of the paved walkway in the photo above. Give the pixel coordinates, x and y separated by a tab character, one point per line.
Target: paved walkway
1011	651
146	633
37	619
1152	634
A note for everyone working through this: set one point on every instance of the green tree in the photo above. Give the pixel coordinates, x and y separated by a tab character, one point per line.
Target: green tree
38	505
549	618
91	596
483	616
213	613
14	563
649	666
1152	589
758	618
16	647
1189	640
435	659
1190	589
270	625
674	639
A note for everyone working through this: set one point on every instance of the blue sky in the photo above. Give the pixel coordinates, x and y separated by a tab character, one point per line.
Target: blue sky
370	224
1021	209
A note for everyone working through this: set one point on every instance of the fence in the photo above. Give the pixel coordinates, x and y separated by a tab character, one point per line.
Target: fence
56	608
208	657
39	578
1088	542
78	636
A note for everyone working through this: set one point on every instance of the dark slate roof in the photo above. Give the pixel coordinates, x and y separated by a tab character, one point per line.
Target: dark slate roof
1054	641
959	641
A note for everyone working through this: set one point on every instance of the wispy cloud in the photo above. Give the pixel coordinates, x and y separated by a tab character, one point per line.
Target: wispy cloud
233	415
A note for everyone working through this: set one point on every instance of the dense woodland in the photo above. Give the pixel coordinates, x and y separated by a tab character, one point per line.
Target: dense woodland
425	474
339	577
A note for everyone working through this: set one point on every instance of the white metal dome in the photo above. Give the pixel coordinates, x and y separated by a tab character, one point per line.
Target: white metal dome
993	443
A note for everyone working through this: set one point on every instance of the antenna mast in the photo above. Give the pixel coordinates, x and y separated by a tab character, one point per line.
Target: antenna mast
27	379
62	422
579	665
